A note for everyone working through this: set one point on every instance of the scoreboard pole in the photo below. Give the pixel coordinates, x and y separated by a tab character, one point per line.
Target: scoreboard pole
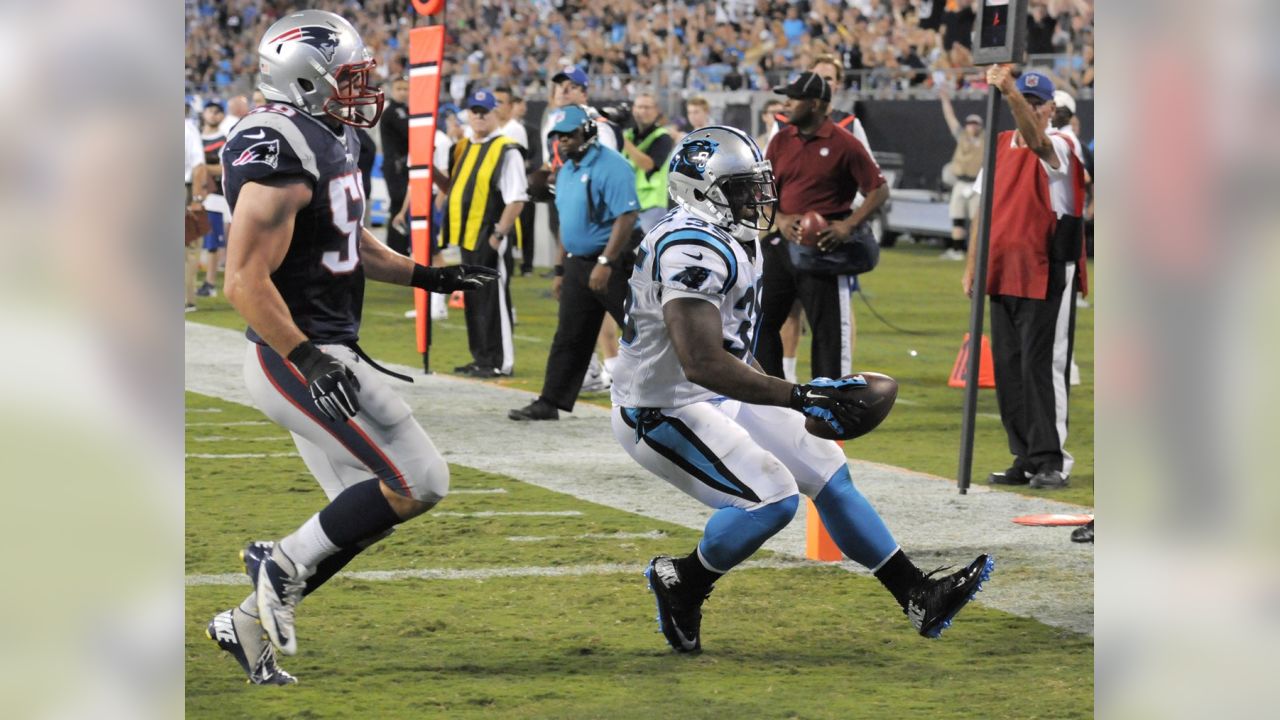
999	36
426	50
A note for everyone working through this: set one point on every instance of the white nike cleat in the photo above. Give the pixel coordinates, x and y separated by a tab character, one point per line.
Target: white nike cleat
280	585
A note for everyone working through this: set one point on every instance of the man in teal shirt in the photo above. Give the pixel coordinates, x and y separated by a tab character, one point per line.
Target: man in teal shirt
597	203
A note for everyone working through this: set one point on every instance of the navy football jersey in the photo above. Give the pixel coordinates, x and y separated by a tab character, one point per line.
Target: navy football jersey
321	278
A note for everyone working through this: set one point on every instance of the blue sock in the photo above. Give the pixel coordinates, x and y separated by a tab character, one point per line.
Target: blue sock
733	534
853	523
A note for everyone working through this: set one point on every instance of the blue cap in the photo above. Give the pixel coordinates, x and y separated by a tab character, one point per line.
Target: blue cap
567	119
1036	84
482	99
572	73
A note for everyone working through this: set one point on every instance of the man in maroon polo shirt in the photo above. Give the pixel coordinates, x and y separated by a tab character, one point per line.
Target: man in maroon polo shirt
816	166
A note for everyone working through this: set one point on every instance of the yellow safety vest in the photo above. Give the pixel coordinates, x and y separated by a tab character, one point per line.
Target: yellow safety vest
475	203
651	190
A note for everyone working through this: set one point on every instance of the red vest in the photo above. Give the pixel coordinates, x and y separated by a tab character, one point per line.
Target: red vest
1022	223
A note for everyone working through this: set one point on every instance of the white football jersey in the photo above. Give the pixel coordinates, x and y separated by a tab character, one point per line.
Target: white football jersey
683	256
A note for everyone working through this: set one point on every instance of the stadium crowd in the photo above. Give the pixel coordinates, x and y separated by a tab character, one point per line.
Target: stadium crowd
888	46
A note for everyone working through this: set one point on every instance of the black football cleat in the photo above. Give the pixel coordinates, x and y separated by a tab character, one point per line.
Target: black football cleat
933	602
240	636
679	610
1083	534
537	410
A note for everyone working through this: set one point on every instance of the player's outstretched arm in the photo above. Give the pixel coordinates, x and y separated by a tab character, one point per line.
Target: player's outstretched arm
695	329
386	265
260	237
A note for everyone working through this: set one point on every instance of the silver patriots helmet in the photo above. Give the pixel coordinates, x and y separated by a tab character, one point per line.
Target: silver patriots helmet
719	174
315	61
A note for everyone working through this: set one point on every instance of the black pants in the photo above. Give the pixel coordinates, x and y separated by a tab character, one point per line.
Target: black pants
581	312
526	236
397	188
488	310
1031	345
825	299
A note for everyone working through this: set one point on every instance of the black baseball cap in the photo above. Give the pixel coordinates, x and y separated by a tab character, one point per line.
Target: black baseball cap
807	85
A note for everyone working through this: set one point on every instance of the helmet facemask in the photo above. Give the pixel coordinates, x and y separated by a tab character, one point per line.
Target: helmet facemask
749	201
353	101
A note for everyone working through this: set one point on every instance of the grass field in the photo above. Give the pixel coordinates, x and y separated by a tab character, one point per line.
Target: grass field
517	634
802	641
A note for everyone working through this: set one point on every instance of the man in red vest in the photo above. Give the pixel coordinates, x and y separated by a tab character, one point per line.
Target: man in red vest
1036	265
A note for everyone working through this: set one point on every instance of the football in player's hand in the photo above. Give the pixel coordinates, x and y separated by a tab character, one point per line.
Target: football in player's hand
811	225
875	399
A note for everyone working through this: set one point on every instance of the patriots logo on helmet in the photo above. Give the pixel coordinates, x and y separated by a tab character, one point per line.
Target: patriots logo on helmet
693	158
317	36
266	152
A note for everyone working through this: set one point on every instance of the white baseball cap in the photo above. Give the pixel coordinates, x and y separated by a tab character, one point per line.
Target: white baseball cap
1063	100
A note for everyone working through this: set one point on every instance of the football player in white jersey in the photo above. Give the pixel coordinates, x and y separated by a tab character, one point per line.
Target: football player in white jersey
692	405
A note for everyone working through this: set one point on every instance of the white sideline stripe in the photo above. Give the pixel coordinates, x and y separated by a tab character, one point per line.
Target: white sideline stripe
204	410
225	438
479	491
222	456
516	513
649	535
499	572
236	423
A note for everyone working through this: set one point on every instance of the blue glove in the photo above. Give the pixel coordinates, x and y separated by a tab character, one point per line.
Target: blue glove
830	401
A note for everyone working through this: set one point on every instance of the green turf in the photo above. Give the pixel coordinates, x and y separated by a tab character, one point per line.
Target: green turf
912	288
808	642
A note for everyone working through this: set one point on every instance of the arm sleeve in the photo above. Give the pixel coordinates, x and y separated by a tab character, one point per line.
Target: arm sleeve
605	135
616	189
862	168
861	133
1062	147
513	184
660	152
695	265
266	145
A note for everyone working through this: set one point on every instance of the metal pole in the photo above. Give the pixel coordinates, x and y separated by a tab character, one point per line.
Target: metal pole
978	303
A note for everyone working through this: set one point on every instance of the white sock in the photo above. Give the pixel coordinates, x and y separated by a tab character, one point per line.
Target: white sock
308	545
250	605
609	364
789	369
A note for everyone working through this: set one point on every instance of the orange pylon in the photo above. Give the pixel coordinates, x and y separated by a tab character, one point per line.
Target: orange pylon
986	371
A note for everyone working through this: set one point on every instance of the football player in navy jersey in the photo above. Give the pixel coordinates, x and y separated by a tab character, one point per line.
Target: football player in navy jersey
693	406
297	260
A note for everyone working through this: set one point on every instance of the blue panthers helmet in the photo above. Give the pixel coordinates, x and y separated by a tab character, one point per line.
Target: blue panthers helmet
719	174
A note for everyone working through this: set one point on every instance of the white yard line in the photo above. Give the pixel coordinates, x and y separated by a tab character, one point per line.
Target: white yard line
649	535
236	423
478	491
514	513
498	572
227	438
240	456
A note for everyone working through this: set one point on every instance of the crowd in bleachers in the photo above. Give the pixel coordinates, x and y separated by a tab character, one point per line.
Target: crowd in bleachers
888	46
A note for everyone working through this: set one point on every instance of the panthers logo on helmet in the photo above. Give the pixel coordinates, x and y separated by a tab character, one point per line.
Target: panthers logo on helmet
321	38
693	157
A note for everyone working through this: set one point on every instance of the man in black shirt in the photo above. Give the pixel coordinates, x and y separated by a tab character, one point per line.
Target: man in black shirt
395	158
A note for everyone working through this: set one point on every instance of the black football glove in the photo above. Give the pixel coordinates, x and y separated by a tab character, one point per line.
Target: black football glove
830	401
449	279
333	386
